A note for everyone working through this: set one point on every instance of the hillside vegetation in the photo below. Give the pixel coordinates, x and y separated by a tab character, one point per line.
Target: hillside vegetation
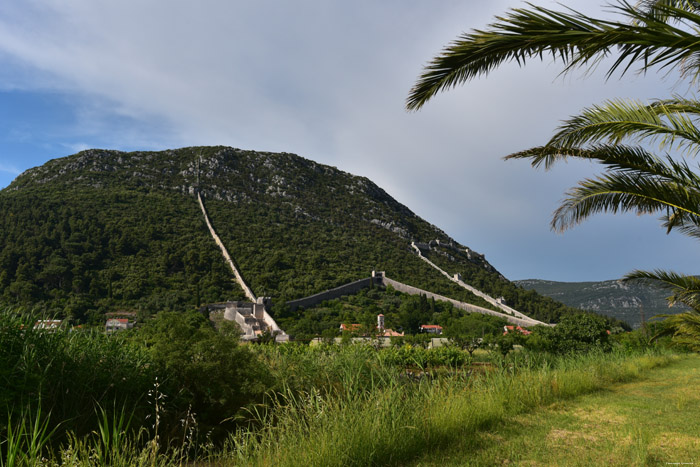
103	231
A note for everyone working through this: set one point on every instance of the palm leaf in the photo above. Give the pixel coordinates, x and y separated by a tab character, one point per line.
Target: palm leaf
669	122
635	180
648	35
685	329
624	157
624	192
685	289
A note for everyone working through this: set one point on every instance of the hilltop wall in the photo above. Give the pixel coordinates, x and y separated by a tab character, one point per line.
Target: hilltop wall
401	287
346	289
457	279
248	293
380	279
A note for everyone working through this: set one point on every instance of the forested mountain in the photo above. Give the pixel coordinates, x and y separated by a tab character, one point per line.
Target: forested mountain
103	231
626	301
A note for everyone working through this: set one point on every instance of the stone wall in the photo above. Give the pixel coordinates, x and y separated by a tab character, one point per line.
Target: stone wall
251	317
401	287
347	289
248	293
458	280
380	279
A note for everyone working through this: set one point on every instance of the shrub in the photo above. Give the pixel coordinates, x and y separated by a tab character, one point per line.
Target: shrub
575	333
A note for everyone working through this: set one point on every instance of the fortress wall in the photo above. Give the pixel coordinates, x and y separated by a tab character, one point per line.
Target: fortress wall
478	293
347	289
401	287
354	287
232	314
249	293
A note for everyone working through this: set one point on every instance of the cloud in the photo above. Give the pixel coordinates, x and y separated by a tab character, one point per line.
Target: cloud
328	81
9	169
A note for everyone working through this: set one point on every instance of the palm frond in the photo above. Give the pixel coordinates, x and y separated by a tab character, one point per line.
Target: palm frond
635	180
658	8
685	329
615	157
617	191
646	36
684	289
669	122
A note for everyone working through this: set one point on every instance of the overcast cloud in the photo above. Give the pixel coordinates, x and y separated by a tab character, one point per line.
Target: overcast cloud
326	80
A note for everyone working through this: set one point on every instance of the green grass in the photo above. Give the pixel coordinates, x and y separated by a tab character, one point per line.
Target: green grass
654	420
397	424
94	401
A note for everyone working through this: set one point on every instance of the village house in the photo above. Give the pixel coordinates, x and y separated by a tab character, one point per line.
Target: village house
118	324
431	328
48	324
523	331
381	331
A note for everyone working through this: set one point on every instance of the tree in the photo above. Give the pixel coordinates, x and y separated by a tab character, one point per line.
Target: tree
413	312
208	372
468	332
575	333
652	33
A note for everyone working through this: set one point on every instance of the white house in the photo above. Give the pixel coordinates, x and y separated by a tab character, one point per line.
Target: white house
118	324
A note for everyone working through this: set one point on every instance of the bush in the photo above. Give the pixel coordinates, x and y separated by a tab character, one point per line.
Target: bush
206	372
575	333
69	373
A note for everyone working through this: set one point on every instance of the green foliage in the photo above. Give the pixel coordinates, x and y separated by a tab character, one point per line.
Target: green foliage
417	356
582	332
178	369
475	325
413	312
504	343
684	328
104	231
79	251
26	439
206	372
401	423
638	339
64	374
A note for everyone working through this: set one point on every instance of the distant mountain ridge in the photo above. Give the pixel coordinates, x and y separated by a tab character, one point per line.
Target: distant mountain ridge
626	301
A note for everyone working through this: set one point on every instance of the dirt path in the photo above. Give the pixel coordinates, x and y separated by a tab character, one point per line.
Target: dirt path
652	421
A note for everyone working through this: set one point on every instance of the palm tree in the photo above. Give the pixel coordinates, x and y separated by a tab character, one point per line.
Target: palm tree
660	33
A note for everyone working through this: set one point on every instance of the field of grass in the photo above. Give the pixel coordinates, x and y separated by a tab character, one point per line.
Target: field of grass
179	392
654	420
396	426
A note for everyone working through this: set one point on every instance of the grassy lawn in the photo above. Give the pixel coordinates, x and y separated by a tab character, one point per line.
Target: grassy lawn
651	421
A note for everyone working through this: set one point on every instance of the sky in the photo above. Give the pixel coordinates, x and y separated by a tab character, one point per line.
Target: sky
327	80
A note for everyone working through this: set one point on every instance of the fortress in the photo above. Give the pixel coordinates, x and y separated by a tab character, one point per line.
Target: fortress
254	320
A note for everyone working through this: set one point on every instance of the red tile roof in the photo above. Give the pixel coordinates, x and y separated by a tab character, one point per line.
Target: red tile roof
521	330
